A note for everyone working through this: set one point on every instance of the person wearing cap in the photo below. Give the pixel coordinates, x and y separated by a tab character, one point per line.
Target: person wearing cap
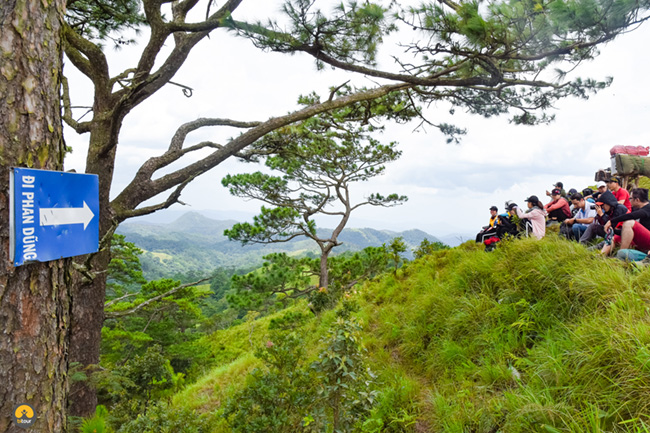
621	194
606	208
636	224
560	186
558	208
506	225
535	214
490	229
601	187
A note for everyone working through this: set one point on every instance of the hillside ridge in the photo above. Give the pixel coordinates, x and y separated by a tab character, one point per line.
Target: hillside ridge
195	242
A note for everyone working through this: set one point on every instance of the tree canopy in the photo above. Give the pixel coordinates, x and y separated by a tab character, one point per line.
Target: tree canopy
488	59
319	160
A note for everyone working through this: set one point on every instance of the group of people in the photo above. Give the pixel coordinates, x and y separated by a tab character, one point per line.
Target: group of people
610	212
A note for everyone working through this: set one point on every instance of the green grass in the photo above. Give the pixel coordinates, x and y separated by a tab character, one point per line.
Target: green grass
536	336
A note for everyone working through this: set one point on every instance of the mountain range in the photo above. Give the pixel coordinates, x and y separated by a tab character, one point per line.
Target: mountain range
194	242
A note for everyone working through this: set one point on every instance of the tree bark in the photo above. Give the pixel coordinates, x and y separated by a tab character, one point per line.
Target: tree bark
323	278
89	291
34	299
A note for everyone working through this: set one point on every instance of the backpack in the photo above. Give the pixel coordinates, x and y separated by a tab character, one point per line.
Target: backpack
506	227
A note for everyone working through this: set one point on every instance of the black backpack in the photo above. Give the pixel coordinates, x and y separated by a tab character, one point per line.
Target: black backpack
506	227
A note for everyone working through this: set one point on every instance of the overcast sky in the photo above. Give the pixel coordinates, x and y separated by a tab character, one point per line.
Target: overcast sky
450	187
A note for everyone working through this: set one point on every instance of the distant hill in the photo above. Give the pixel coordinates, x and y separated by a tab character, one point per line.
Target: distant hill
194	242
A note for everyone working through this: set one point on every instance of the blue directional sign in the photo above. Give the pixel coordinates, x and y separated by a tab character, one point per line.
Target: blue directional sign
54	215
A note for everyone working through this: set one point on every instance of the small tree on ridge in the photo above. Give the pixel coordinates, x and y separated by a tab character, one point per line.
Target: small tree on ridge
319	160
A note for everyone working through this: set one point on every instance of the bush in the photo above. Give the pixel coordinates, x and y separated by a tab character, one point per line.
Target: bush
279	397
161	419
334	393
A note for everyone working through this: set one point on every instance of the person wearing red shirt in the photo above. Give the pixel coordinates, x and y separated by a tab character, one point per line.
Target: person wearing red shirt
621	194
558	209
636	225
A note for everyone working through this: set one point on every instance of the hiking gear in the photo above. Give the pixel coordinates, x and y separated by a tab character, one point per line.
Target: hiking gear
629	150
631	255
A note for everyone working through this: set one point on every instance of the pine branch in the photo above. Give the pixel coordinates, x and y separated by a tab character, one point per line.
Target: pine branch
116	314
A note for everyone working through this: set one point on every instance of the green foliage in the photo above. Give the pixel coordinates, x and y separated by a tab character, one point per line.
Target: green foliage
364	26
130	389
280	279
96	424
486	59
171	321
162	419
396	408
395	249
427	248
269	224
536	336
124	270
150	339
140	314
346	383
283	278
332	394
100	19
150	374
188	249
279	397
542	336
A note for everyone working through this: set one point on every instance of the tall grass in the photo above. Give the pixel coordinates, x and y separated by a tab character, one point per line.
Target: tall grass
535	336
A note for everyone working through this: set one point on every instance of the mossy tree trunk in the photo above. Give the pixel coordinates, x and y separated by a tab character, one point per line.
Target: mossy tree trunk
34	299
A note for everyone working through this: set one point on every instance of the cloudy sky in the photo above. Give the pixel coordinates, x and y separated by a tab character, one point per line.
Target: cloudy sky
450	186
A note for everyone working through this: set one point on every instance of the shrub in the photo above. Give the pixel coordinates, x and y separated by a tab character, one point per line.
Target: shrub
162	419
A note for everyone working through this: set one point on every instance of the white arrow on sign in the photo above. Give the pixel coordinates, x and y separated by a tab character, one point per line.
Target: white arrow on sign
56	216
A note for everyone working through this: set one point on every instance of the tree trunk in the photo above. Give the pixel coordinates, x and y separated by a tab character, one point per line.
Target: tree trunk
89	291
34	299
323	278
87	317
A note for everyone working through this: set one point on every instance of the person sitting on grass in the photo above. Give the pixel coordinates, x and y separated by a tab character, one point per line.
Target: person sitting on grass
506	225
584	216
636	225
621	194
535	214
601	187
588	193
490	229
606	208
559	186
558	208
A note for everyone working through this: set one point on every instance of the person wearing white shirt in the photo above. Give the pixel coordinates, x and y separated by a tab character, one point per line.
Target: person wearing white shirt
585	216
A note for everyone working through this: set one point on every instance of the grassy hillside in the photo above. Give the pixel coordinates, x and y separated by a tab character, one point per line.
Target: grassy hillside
537	336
